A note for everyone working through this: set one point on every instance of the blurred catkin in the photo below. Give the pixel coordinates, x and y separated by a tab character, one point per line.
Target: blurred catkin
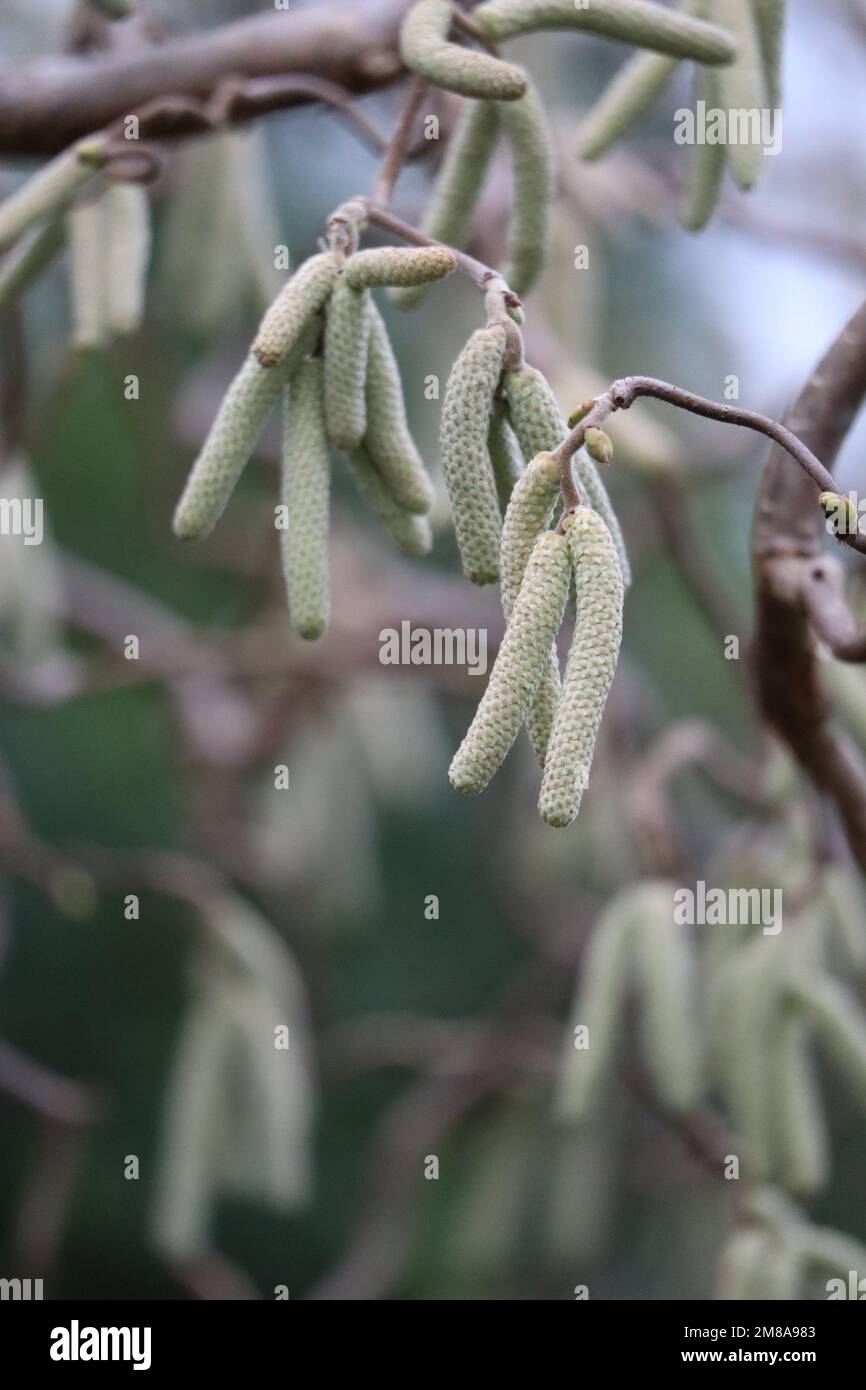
29	258
770	18
411	531
347	334
388	440
535	620
85	229
524	125
799	1130
127	255
706	163
426	49
630	21
465	428
303	297
634	89
458	184
666	981
589	670
306	483
530	511
743	85
50	190
397	266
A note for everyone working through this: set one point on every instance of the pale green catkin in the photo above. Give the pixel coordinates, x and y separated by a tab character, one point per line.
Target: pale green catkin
517	670
589	670
770	19
757	1265
303	297
667	1021
411	532
839	1026
397	266
127	254
27	260
465	426
306	486
631	21
747	1016
388	441
458	184
347	335
529	512
505	454
524	125
85	231
50	190
799	1130
632	92
540	428
706	164
743	85
426	49
599	1007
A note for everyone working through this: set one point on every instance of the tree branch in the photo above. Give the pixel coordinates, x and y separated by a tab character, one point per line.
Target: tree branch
48	104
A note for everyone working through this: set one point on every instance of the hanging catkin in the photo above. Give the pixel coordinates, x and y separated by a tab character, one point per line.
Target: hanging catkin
599	1007
33	254
411	532
666	977
426	49
524	125
468	470
388	441
85	230
50	190
623	101
706	165
505	454
589	670
747	1015
535	620
306	483
530	512
799	1130
630	21
839	1025
540	428
458	183
743	87
397	266
347	333
232	438
770	19
126	255
304	296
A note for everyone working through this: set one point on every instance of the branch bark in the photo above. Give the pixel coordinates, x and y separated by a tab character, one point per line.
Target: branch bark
48	104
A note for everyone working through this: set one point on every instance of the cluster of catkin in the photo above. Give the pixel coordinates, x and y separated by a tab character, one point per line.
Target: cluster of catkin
323	348
748	84
500	424
747	1036
506	105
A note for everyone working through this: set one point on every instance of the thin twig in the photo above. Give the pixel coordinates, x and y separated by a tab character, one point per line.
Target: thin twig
400	144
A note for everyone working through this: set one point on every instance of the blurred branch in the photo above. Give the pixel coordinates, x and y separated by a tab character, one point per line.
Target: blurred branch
55	1097
48	104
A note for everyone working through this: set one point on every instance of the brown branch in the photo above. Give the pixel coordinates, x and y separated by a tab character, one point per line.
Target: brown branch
47	105
398	150
787	559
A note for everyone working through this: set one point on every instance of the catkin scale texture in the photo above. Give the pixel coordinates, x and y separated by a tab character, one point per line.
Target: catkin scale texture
458	183
306	484
304	296
347	333
388	440
505	454
540	427
223	455
530	512
425	48
517	670
524	125
630	21
465	426
411	532
589	670
397	266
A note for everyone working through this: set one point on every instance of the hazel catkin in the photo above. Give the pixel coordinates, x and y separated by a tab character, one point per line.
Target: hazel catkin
426	49
465	426
297	303
306	483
